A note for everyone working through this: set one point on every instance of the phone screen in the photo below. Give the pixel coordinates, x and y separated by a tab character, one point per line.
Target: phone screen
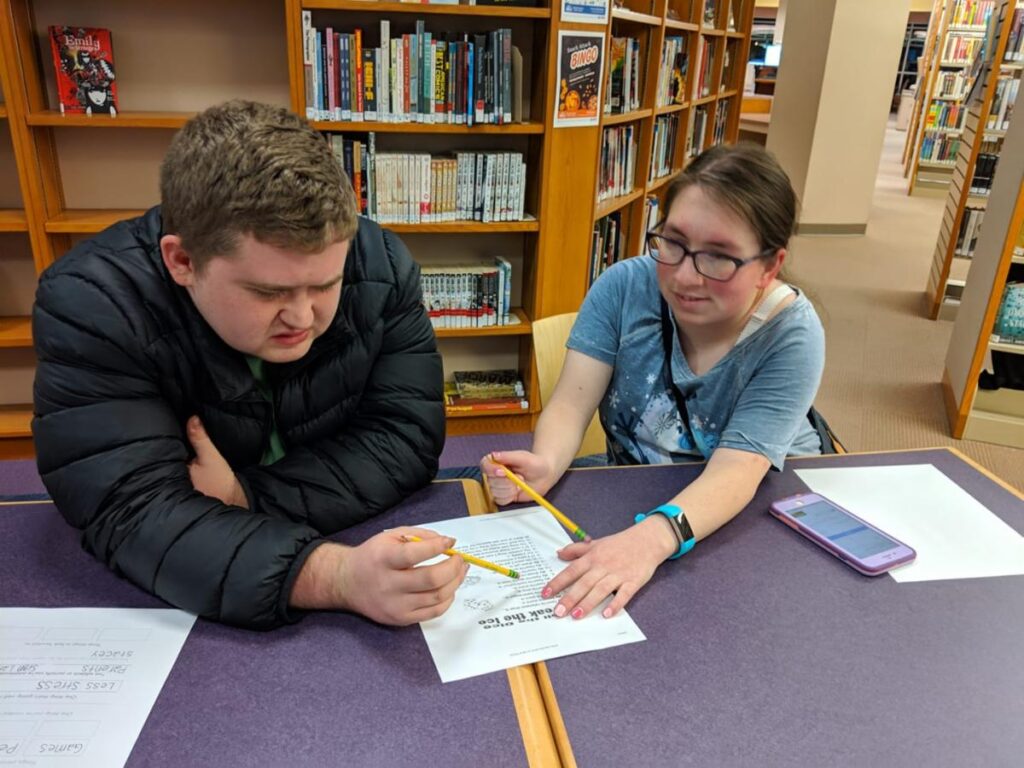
842	530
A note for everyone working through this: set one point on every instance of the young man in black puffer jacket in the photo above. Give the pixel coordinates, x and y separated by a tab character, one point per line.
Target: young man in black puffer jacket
237	373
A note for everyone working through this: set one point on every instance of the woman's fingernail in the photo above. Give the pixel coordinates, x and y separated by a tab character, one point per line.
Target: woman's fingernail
607	613
559	610
546	592
577	613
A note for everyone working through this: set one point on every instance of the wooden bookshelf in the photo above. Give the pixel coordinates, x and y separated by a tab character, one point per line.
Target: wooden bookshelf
549	250
3	111
995	416
961	174
426	9
54	119
924	132
13	220
15	421
680	19
15	332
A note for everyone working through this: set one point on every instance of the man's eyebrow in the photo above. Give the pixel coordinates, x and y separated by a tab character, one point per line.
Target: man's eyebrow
272	287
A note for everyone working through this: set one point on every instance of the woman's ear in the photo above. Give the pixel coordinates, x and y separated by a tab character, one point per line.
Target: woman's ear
772	268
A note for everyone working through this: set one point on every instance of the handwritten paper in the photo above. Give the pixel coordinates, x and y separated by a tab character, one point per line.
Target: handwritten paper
77	684
497	622
954	535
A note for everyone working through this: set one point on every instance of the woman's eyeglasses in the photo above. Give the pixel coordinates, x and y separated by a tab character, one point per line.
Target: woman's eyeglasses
713	266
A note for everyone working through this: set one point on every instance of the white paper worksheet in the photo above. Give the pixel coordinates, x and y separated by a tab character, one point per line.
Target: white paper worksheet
77	684
954	535
497	622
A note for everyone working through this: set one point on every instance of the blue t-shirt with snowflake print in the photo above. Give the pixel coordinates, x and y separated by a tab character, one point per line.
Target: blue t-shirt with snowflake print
754	399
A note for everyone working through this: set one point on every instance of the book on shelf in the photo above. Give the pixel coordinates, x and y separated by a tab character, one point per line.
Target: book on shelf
972	13
456	403
509	3
1009	323
947	115
617	168
83	60
705	63
951	85
985	169
504	382
1015	40
672	72
607	244
663	149
1002	104
709	14
698	131
420	77
939	148
721	122
623	76
961	49
469	295
419	188
970	228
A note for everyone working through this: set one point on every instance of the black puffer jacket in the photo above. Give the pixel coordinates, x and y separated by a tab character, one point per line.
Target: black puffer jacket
125	359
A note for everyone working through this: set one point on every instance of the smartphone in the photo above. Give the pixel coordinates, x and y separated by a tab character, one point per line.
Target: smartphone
858	544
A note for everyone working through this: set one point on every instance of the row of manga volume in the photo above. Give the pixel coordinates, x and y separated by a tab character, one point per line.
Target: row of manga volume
617	168
607	244
705	65
1002	104
623	77
663	151
415	188
970	228
672	72
469	295
985	168
961	49
412	78
972	13
939	148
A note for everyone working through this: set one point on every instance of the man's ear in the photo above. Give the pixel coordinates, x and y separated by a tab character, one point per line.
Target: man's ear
179	264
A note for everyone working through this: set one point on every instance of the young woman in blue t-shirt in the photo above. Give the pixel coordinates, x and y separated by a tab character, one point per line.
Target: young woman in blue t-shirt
697	350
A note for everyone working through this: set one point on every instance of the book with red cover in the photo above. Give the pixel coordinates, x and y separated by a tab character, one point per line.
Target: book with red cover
83	59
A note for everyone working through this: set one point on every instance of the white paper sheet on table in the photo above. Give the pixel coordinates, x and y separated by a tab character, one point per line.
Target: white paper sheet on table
77	684
955	536
497	622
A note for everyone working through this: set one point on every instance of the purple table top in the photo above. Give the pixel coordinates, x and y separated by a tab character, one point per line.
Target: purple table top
19	481
333	689
764	650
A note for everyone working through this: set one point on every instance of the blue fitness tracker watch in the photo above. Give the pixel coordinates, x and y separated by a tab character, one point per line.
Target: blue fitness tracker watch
679	524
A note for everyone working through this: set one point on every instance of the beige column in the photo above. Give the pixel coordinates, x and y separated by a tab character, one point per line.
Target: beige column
832	97
780	21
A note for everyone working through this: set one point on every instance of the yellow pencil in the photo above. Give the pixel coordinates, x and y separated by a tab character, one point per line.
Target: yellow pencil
574	529
474	560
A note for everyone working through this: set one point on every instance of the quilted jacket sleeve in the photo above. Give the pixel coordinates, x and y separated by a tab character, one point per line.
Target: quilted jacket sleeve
113	456
392	445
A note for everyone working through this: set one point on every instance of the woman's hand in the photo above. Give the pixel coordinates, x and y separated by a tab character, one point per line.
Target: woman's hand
531	467
621	563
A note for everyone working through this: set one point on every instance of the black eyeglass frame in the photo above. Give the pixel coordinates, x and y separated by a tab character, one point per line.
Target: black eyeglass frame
738	263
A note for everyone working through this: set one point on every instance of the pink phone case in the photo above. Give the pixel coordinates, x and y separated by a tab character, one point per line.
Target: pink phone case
871	565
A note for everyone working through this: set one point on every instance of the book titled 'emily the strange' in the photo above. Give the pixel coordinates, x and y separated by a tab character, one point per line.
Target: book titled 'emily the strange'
83	59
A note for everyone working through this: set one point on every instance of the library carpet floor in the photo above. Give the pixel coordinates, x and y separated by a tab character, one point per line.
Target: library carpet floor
882	384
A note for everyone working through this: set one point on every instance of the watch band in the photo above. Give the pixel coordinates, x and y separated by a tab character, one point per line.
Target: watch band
679	524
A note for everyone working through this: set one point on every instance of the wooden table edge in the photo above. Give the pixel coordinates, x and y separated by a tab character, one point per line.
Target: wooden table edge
531	710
